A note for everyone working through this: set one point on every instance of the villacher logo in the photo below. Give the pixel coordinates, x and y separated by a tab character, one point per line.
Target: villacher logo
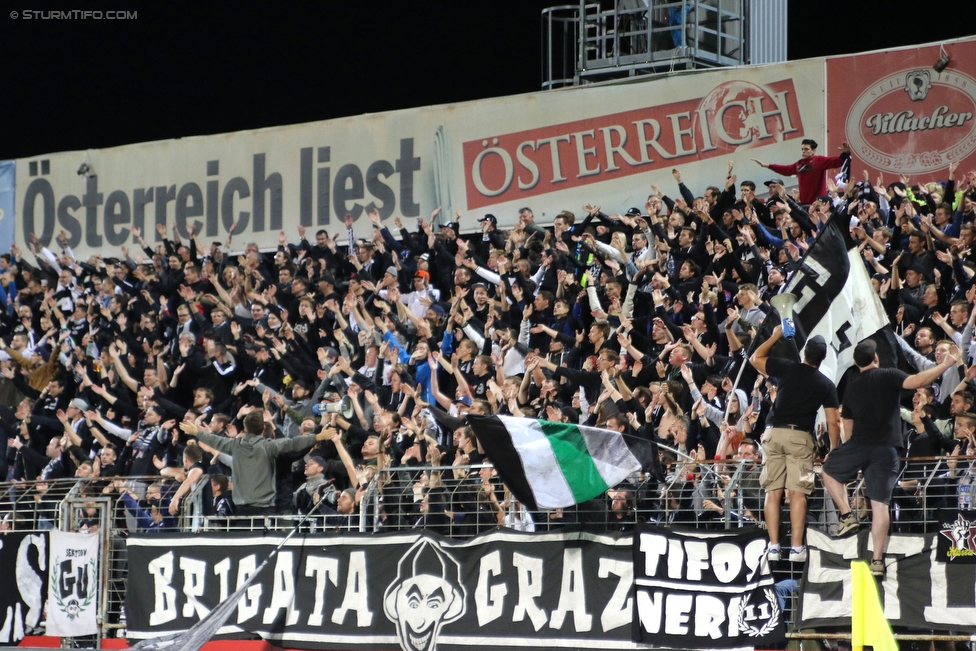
914	121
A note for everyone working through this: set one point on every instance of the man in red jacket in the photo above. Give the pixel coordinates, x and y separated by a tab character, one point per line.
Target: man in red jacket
811	170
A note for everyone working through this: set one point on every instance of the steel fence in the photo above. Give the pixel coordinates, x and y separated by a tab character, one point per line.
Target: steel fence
463	501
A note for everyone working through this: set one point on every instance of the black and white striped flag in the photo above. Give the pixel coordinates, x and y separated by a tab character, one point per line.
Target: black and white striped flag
835	300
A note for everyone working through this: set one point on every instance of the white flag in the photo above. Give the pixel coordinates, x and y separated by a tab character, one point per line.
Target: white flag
835	298
72	606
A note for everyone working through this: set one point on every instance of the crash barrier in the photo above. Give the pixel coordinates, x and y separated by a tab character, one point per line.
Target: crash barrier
454	502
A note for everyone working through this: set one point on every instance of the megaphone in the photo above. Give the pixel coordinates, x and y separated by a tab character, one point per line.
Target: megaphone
343	408
783	303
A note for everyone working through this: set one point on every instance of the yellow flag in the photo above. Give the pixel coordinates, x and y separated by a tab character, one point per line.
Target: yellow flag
868	624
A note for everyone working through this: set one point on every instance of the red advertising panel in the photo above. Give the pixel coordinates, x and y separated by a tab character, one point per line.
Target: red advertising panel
900	115
732	115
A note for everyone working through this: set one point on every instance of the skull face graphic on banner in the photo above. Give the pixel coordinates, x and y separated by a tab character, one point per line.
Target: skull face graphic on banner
426	594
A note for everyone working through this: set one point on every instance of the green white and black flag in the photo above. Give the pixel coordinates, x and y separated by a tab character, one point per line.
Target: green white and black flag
551	465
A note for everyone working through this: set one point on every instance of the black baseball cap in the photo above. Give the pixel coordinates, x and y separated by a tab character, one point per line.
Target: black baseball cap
864	353
815	350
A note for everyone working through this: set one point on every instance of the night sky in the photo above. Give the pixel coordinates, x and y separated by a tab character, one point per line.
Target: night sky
200	68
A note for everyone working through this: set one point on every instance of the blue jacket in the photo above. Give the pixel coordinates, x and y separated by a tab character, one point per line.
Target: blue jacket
144	519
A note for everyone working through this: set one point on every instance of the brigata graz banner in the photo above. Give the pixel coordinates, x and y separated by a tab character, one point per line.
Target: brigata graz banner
501	590
917	591
701	589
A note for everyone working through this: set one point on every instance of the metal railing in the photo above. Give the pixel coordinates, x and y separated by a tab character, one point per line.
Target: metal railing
585	42
454	501
33	506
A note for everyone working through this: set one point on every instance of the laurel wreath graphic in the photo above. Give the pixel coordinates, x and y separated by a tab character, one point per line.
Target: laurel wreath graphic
771	623
72	609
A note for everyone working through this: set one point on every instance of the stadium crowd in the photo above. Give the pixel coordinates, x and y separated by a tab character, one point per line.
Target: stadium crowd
176	362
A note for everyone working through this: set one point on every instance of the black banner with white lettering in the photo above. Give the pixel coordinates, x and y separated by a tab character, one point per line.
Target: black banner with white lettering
23	566
917	590
957	537
699	589
500	590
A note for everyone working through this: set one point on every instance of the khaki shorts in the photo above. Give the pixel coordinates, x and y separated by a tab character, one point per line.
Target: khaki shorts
787	460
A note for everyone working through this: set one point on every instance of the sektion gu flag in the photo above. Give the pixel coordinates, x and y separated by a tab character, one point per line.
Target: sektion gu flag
550	465
72	604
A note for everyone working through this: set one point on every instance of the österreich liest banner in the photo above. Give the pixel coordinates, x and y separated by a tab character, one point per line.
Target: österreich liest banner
548	151
899	115
917	591
7	218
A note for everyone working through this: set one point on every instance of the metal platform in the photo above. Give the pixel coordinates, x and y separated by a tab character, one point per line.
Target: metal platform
588	42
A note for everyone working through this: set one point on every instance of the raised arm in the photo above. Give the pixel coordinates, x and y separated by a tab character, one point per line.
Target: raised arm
123	372
929	376
331	434
759	357
530	366
191	479
68	430
435	390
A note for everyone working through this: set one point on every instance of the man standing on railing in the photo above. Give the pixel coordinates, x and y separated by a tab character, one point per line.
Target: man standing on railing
874	441
788	442
253	464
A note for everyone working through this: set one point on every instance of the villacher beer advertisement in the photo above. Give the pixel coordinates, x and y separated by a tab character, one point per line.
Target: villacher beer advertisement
900	115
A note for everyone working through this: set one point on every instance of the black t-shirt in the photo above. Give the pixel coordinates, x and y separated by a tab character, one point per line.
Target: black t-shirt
802	391
872	402
479	385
